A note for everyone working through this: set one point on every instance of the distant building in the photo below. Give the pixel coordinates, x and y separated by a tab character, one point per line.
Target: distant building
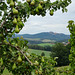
65	43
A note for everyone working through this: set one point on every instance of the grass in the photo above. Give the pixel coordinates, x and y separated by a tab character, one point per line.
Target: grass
33	39
63	70
38	39
47	40
46	44
38	52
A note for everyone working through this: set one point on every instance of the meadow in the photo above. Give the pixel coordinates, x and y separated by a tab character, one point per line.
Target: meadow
38	52
46	44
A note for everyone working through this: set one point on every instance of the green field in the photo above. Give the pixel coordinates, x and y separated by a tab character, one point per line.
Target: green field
63	70
38	52
38	39
33	39
46	44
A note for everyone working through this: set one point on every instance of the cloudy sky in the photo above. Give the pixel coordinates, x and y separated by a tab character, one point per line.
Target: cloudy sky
56	23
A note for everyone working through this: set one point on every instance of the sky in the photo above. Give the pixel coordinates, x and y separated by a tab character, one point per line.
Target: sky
57	23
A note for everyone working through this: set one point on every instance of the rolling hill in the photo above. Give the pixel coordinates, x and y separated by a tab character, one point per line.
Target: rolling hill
45	35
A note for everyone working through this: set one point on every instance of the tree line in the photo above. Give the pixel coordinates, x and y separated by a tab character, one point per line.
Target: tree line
62	53
35	46
59	50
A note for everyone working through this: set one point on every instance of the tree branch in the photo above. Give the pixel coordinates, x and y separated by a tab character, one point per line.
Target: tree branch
4	21
21	53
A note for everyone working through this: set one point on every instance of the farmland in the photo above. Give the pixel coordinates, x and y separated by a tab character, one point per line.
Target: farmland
63	70
38	52
46	44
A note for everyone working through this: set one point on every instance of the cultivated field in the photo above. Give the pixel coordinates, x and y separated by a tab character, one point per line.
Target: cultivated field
38	52
46	44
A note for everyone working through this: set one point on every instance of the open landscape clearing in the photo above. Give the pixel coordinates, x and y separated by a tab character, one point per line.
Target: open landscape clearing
46	44
38	52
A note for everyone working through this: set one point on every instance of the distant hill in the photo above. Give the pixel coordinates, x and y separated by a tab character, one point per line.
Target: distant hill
46	35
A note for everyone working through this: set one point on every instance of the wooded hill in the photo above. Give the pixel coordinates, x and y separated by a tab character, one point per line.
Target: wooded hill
45	37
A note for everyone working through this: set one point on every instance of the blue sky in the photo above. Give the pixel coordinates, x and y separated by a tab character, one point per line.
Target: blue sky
56	23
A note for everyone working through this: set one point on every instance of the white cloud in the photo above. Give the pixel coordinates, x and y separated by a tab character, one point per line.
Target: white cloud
56	23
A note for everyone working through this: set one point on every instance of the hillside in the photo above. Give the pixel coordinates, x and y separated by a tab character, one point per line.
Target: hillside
45	35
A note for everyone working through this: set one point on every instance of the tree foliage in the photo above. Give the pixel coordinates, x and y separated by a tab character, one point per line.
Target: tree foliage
60	51
71	27
35	46
13	52
42	54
